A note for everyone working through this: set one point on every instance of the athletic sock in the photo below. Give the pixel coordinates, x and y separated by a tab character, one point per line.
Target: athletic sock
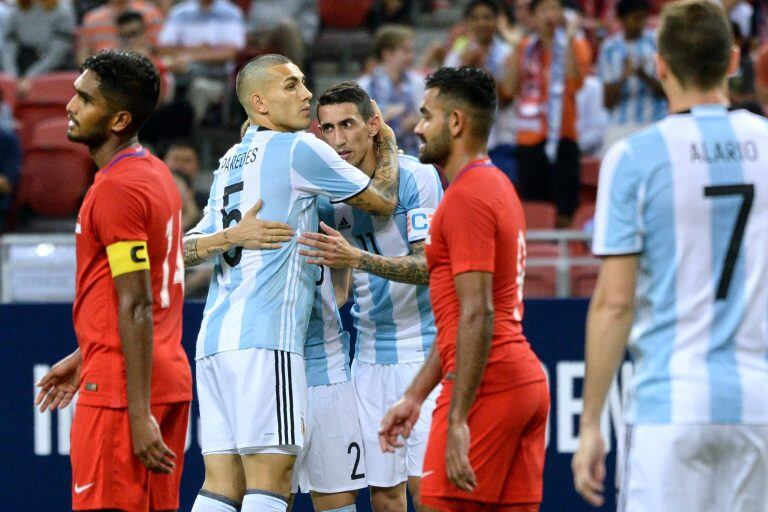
257	500
208	501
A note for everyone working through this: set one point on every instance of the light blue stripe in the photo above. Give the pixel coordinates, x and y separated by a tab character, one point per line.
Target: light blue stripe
724	384
656	282
314	348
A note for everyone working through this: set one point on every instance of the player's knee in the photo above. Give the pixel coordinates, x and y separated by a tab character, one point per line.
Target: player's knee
389	499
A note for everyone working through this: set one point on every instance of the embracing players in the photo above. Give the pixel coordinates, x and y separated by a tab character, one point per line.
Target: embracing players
486	443
130	370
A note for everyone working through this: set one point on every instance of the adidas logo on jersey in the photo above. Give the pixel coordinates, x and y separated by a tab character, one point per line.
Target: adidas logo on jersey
343	224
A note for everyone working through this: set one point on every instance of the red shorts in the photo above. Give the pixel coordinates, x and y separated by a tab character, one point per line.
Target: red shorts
105	472
507	444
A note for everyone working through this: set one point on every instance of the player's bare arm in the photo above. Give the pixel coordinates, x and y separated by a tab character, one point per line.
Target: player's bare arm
380	197
59	385
473	343
134	293
402	416
250	233
332	249
342	285
608	324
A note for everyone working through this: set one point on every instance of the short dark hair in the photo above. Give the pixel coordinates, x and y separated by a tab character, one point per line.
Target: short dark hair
695	40
128	80
390	37
491	4
347	92
472	87
627	7
181	144
533	4
128	17
254	69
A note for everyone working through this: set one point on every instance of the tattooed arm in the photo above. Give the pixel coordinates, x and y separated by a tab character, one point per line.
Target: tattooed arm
249	233
380	197
333	250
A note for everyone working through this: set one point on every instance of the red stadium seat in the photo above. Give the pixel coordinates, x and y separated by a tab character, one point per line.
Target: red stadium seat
590	171
8	89
344	13
48	97
583	221
54	181
52	134
540	281
583	280
539	215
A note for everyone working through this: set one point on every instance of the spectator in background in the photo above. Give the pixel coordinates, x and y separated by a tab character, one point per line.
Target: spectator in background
626	66
550	67
396	88
10	165
287	27
761	75
592	117
99	28
5	11
741	85
482	47
38	39
182	159
203	36
390	12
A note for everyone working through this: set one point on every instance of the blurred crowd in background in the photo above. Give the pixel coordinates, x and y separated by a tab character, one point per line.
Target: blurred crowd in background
573	76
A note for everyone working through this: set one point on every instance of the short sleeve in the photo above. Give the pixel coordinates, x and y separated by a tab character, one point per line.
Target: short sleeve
319	170
420	195
469	229
618	221
207	225
120	212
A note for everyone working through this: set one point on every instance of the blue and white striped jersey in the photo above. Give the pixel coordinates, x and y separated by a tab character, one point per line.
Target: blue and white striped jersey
262	299
394	321
690	196
638	103
326	351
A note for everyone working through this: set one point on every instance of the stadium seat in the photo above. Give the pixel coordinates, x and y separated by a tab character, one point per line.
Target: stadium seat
344	13
54	181
8	89
540	281
583	221
583	280
590	171
48	97
539	215
52	134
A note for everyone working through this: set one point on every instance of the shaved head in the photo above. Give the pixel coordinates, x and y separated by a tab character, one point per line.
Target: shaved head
255	74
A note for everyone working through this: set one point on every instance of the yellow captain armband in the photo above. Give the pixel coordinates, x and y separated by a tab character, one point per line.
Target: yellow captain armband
128	256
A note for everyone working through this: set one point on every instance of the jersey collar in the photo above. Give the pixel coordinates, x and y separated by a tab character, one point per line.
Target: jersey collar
480	162
134	151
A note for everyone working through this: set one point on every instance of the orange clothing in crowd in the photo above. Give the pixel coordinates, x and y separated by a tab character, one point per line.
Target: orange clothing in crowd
99	28
530	134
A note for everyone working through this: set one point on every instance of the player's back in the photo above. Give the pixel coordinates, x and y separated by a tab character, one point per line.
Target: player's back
262	299
690	196
131	216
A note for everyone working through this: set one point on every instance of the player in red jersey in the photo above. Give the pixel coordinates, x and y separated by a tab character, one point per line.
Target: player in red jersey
130	369
486	445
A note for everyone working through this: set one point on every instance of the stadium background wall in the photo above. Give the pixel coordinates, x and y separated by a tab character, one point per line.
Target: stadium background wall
35	474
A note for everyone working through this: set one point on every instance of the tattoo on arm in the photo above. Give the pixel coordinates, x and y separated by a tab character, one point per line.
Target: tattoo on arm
194	256
411	269
385	180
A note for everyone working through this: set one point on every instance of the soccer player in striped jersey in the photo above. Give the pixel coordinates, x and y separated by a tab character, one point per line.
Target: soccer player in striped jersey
682	224
331	465
392	313
250	365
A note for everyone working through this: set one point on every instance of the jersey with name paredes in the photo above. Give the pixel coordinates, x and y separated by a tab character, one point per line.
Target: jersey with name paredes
326	351
394	321
689	195
263	298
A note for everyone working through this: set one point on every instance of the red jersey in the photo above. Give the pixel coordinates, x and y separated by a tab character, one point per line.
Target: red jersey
133	212
479	226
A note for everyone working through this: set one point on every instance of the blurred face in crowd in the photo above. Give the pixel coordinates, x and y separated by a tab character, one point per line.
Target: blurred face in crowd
132	34
285	98
432	129
89	112
548	16
634	24
523	13
401	57
183	159
481	23
344	129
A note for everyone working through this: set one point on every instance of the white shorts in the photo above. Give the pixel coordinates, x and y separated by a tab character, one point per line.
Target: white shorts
332	459
252	401
379	386
706	468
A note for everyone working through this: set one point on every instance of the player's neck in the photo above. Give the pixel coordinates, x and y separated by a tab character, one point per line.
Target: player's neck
103	154
460	158
682	101
368	165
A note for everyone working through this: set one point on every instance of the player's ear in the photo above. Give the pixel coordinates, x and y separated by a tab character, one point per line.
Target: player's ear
121	120
258	104
733	63
456	122
662	71
374	125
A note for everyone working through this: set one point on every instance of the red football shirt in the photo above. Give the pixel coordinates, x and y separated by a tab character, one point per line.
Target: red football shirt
133	198
479	226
